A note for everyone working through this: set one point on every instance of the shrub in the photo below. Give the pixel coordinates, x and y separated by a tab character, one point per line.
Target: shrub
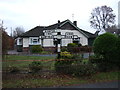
84	68
105	46
117	62
63	67
75	68
36	49
66	55
99	62
64	49
76	56
35	66
13	69
79	44
71	47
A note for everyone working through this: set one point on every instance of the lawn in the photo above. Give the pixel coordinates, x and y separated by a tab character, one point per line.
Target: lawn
22	62
37	80
30	80
19	57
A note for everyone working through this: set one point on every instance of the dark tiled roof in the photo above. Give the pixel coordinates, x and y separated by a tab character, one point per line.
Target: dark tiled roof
55	26
90	35
38	31
35	32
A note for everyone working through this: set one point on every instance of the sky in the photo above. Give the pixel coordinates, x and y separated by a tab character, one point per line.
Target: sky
31	13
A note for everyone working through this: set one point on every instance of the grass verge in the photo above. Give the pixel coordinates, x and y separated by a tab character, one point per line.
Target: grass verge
37	80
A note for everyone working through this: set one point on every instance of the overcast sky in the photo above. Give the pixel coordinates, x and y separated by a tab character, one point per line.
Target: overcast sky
31	13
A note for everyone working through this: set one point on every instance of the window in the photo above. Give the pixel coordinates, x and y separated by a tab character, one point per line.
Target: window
58	33
35	41
20	41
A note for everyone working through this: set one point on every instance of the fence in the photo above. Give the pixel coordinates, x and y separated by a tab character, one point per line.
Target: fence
66	66
80	54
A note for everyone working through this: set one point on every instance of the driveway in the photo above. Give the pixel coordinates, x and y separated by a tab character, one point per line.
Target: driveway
112	84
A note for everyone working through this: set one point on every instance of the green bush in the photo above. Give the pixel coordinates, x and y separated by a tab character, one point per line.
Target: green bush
36	49
63	66
105	46
75	68
64	49
117	62
13	69
99	62
35	66
72	47
65	55
83	68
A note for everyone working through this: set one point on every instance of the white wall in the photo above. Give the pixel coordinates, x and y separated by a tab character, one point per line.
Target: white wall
48	43
83	39
64	42
25	42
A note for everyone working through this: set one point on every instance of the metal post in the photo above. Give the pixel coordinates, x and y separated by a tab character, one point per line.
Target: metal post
58	43
58	48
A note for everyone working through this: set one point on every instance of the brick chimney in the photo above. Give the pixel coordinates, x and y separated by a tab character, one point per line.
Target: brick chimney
58	24
75	23
58	21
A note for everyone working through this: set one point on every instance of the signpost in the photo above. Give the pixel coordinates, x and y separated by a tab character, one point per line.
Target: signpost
56	35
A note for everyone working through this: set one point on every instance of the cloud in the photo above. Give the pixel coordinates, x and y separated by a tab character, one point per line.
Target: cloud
30	13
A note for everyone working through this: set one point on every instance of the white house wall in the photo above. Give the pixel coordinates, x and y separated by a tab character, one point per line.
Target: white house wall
83	39
64	42
25	42
48	43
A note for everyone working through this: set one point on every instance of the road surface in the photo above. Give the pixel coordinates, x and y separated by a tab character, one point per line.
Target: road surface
112	84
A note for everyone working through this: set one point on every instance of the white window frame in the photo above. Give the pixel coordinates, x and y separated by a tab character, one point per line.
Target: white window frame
19	41
33	40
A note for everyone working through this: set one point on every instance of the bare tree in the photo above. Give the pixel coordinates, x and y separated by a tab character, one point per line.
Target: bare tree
113	29
18	31
102	18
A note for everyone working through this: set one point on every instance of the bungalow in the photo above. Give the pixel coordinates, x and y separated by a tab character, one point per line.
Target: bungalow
47	36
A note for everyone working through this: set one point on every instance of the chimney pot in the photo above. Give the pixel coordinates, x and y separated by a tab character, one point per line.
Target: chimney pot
58	21
75	23
58	24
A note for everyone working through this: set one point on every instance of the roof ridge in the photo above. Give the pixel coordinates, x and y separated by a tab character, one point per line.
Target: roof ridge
87	31
57	23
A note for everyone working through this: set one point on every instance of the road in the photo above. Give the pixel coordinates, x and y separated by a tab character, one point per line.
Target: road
112	84
13	52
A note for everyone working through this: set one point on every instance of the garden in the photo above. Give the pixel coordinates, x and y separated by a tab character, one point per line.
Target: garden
70	69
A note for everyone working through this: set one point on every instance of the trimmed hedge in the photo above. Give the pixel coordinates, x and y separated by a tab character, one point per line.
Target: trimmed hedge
106	49
36	49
